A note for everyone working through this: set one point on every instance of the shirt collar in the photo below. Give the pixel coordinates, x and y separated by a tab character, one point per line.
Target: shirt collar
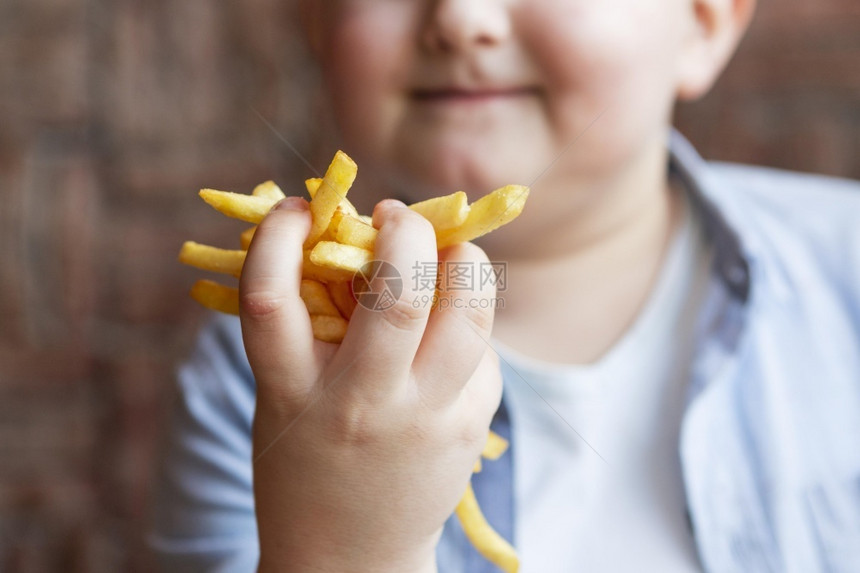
731	265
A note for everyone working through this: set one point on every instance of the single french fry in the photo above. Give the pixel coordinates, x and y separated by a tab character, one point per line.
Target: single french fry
334	187
355	232
216	296
476	469
340	257
345	205
483	537
495	446
487	214
329	328
238	206
246	237
341	295
313	271
445	213
317	299
212	258
268	190
367	219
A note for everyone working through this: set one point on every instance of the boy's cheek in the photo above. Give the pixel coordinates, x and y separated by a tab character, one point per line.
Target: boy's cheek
364	62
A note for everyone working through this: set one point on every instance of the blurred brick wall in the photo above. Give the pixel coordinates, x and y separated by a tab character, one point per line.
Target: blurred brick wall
791	97
114	112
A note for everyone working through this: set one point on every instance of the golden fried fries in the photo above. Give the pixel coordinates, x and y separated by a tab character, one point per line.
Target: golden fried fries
345	206
336	183
317	299
311	270
212	258
340	243
341	295
312	185
329	328
331	255
268	190
334	224
495	447
215	296
355	232
246	237
485	539
238	206
444	213
487	214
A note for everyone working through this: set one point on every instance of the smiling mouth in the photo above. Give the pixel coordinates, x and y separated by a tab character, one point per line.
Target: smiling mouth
469	96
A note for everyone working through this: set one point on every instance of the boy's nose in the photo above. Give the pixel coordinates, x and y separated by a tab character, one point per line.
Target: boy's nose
457	25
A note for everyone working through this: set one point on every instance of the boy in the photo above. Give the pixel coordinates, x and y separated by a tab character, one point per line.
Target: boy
678	344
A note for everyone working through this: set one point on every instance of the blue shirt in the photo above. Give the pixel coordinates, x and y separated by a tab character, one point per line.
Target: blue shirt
770	438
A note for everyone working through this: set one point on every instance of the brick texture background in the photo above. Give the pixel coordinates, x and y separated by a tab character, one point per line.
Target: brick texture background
113	113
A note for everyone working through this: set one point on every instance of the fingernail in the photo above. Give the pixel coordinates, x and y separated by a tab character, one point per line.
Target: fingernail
292	204
392	204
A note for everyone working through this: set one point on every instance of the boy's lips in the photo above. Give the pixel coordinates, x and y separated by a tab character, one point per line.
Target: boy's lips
457	95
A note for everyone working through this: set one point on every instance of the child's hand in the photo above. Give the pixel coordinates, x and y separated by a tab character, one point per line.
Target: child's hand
362	450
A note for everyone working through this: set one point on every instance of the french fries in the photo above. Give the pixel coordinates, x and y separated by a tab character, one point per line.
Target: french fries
337	256
212	258
486	214
340	243
246	237
341	295
311	270
317	299
444	213
341	240
345	206
353	231
246	208
216	296
328	328
482	536
333	188
495	447
268	190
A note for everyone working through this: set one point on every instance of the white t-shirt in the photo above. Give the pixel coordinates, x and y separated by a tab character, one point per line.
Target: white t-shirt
597	476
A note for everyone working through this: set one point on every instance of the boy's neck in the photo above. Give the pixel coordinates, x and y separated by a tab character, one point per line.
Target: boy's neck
574	289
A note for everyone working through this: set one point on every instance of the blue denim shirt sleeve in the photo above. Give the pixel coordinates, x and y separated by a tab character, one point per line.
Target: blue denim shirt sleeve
769	439
204	519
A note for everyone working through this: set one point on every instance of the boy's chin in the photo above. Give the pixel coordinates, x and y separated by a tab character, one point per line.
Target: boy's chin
476	170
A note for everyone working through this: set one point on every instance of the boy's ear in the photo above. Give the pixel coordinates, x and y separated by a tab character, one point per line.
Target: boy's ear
718	26
310	13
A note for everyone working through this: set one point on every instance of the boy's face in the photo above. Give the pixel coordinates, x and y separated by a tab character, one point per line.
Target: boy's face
475	94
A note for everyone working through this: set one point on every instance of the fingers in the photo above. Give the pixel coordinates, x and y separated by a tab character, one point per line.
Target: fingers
482	393
385	331
459	327
275	324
